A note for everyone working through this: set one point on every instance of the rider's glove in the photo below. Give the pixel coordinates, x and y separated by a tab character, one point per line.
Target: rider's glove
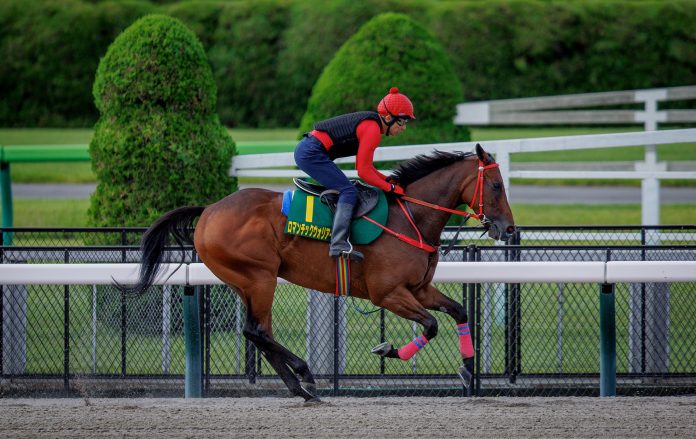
396	189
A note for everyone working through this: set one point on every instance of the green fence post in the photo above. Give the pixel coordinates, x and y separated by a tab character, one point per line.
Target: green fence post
607	341
192	339
6	192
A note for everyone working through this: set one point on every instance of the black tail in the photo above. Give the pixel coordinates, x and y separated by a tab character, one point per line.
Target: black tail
178	223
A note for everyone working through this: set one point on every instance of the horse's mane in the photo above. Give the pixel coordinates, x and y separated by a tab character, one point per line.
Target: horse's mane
418	167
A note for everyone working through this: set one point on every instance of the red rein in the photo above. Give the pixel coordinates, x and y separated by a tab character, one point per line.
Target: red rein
478	192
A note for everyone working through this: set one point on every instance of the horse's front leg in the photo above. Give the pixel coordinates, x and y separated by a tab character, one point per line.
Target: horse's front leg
432	298
402	303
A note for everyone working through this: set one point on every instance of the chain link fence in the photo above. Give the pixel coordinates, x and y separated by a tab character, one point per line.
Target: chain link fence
531	339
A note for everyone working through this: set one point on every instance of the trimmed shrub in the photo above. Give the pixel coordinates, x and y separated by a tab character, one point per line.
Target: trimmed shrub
368	64
159	143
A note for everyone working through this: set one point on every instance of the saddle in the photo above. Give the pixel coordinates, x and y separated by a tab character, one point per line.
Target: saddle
368	196
310	208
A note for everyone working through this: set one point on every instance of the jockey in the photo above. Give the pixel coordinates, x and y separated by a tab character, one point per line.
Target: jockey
353	134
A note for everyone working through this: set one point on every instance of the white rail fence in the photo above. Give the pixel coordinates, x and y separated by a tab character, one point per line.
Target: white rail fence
446	272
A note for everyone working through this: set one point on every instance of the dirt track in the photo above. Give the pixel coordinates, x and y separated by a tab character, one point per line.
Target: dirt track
352	417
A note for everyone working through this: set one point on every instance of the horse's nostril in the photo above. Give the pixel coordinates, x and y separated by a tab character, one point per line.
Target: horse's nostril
510	230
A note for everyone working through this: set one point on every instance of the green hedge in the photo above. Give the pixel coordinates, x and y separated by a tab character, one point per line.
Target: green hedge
158	144
50	51
508	49
248	43
266	55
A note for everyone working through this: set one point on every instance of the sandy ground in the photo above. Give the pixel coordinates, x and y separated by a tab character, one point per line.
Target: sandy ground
665	417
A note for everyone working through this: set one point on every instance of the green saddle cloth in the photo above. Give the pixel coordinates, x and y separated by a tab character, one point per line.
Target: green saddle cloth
310	218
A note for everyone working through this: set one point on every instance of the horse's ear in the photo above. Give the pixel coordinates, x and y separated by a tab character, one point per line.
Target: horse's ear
482	155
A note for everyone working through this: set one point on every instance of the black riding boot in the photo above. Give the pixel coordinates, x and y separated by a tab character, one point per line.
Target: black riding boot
341	232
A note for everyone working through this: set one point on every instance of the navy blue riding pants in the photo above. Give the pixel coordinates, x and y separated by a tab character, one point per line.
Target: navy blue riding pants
312	158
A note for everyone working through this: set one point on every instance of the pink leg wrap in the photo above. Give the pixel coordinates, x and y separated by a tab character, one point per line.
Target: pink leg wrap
408	351
466	347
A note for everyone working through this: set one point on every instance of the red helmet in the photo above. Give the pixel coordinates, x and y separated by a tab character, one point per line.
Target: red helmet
396	105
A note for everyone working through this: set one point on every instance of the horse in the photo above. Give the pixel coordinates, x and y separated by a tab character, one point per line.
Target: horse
241	239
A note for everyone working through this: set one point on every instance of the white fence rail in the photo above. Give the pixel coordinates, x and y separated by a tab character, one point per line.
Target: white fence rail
447	272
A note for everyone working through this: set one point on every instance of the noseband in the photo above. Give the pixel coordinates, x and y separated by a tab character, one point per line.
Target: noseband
478	192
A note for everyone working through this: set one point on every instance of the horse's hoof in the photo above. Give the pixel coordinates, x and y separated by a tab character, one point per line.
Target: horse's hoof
310	388
465	375
313	402
382	349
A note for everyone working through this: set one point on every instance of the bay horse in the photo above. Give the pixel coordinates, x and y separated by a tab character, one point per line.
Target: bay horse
241	239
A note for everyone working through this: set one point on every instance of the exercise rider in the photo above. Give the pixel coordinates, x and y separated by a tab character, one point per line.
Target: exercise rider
353	134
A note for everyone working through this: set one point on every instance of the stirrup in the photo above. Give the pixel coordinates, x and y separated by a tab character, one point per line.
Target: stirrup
354	255
351	253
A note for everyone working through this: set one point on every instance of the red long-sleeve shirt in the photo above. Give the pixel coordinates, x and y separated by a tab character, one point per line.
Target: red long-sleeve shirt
369	135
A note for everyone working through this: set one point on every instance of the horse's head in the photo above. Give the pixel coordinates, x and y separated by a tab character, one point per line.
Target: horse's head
490	198
431	178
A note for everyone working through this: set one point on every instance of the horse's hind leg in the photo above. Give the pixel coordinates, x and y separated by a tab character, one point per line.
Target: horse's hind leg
258	329
285	363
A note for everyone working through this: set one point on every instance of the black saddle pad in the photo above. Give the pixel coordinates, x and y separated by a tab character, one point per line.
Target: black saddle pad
368	196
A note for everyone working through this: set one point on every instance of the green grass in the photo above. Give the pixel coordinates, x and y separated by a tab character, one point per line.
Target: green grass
50	212
45	136
73	213
55	172
629	214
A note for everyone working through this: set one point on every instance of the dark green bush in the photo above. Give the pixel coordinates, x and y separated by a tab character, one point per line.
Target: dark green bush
50	51
159	143
508	49
200	16
245	62
368	64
